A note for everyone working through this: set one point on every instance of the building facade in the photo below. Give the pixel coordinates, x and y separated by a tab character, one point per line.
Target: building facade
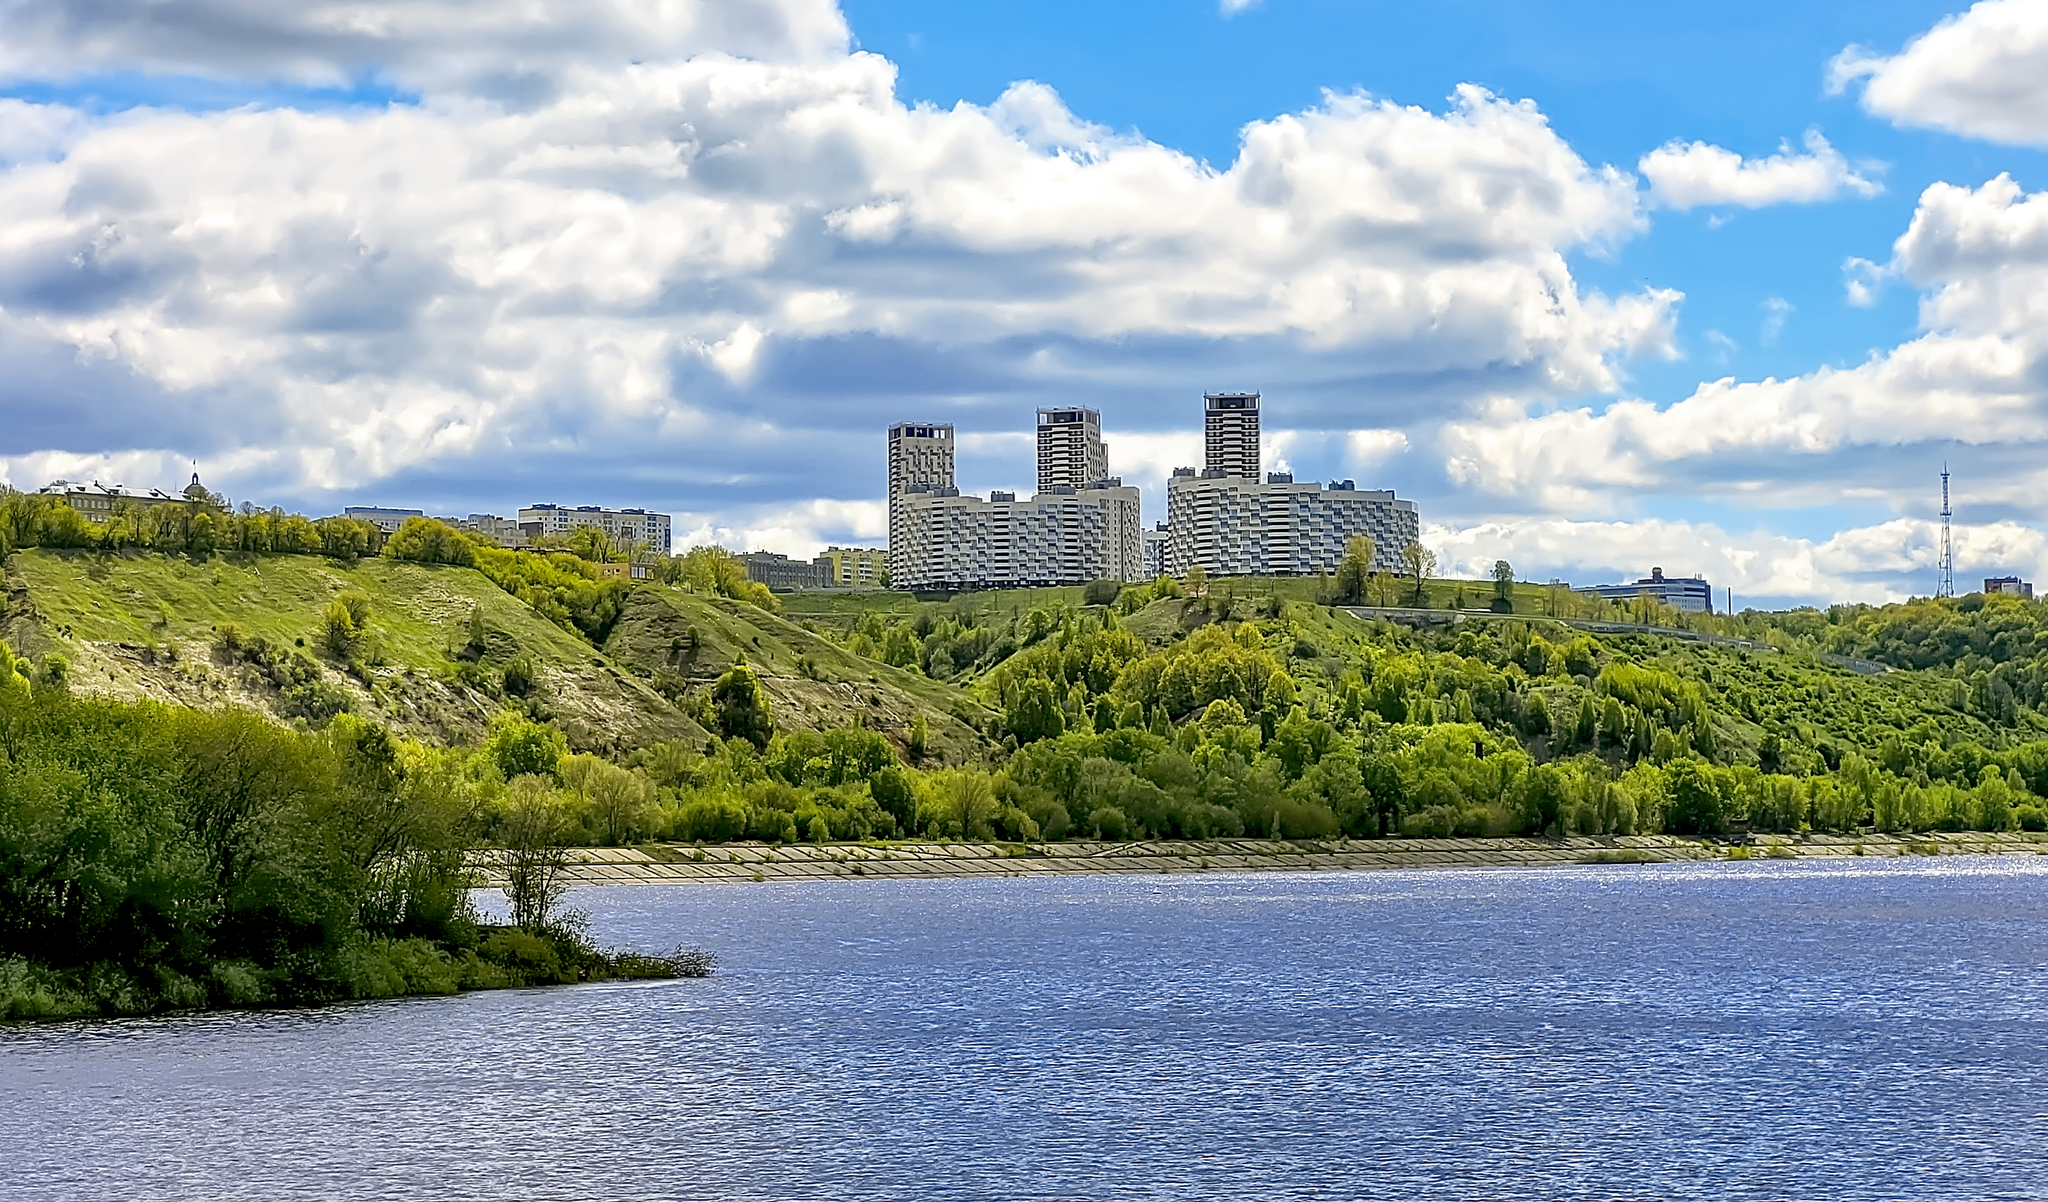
1692	594
852	567
1230	434
625	527
1070	448
96	502
1229	526
1061	535
1153	550
920	457
387	520
505	532
2010	586
779	572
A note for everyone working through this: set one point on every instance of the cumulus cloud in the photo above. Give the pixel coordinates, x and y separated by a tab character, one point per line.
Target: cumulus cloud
1978	374
1982	73
1687	176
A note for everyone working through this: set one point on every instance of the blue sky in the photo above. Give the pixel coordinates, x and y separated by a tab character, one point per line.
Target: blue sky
694	259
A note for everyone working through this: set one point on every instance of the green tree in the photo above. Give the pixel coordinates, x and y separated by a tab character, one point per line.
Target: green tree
518	746
1421	564
1034	712
1354	570
740	707
424	540
1503	587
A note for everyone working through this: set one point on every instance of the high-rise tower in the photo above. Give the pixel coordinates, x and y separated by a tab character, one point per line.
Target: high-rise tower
1230	434
920	453
1070	449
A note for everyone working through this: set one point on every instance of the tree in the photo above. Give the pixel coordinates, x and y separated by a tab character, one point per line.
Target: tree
536	826
1355	569
517	746
424	540
1421	564
1101	592
1503	586
1034	713
345	626
740	707
1197	581
619	801
245	781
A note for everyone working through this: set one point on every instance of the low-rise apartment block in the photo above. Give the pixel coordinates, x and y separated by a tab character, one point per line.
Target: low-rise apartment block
1060	535
625	527
1231	526
779	572
852	567
1691	594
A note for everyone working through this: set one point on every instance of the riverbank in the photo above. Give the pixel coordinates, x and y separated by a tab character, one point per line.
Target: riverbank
672	864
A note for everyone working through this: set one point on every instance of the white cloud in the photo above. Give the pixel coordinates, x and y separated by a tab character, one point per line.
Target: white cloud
1982	73
1372	448
1776	310
1686	176
1977	375
1230	8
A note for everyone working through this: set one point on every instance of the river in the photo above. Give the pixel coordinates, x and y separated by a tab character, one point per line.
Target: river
1761	1030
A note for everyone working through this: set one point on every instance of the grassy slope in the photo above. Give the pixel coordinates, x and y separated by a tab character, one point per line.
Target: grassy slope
103	611
838	688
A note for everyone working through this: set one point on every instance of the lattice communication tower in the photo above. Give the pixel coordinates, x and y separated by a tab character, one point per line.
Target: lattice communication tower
1945	562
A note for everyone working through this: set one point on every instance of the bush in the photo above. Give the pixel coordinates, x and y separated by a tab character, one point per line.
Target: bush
2031	817
1108	822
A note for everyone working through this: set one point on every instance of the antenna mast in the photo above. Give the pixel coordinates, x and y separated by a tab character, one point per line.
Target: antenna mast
1945	562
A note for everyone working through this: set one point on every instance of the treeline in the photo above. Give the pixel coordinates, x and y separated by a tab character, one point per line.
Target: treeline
153	857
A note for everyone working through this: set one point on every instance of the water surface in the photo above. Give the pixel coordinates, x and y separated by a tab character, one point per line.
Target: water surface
1766	1030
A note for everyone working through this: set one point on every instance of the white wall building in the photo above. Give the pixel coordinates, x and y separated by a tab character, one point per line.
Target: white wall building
1155	554
625	527
1061	535
1230	526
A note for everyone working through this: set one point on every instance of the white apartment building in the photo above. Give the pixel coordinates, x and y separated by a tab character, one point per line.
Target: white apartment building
921	457
1154	546
1061	535
625	527
1070	448
1230	434
1230	526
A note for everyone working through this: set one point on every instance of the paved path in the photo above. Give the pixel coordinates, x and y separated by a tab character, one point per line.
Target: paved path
685	864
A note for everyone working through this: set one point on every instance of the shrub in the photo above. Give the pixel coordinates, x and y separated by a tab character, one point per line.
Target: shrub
2031	817
1108	822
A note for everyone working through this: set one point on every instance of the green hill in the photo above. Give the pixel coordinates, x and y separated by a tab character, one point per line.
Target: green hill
149	625
682	642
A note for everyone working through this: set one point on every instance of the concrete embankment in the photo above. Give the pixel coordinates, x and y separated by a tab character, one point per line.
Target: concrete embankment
672	864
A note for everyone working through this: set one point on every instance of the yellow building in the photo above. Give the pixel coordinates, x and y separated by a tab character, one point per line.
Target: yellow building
853	567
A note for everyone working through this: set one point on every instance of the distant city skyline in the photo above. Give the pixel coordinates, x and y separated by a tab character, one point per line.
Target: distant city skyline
1601	288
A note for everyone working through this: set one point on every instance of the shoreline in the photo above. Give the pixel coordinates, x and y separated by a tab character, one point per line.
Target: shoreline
747	863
